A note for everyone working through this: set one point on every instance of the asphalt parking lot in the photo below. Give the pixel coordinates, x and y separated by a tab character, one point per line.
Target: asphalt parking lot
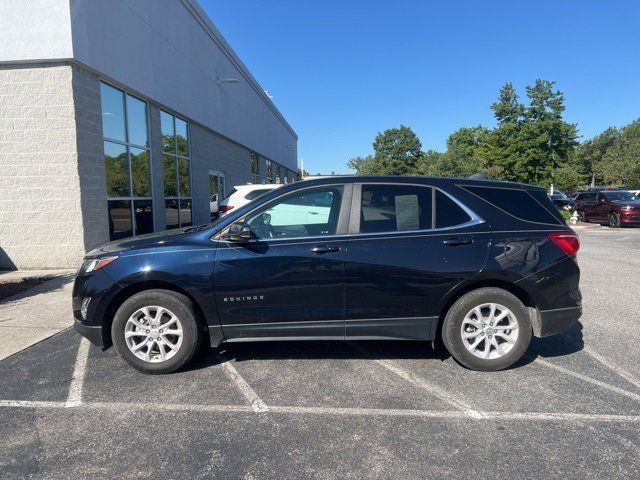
343	410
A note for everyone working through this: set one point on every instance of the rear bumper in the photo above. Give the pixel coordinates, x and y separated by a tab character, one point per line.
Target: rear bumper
90	332
558	320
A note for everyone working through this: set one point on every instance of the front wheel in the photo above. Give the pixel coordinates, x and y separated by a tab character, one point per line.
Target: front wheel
487	329
614	220
156	331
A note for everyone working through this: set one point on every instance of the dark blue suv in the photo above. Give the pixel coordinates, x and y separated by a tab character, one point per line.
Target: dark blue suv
482	265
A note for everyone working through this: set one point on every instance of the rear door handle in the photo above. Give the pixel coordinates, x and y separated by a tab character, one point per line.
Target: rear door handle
454	242
324	249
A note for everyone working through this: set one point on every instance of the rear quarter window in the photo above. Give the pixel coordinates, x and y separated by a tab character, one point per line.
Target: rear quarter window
253	194
519	203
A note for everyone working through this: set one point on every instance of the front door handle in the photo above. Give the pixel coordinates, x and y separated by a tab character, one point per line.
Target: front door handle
324	249
454	242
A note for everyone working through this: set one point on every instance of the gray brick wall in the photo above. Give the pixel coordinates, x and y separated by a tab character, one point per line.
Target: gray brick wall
40	203
210	151
91	169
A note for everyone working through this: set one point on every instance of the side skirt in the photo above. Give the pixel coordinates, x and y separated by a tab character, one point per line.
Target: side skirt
414	328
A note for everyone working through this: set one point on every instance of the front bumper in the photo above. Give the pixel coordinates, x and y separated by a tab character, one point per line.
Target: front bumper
90	332
632	216
557	320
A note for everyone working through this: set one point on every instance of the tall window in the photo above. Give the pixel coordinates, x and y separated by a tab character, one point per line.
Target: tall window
255	168
176	165
127	163
269	170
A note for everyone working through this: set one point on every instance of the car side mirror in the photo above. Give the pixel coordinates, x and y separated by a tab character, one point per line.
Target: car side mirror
238	233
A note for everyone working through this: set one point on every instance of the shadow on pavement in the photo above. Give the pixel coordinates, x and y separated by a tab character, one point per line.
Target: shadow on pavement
555	346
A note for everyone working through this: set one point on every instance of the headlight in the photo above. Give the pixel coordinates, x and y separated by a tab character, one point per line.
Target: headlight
627	207
96	264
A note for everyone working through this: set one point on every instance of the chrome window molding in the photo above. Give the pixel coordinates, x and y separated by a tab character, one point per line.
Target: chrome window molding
474	220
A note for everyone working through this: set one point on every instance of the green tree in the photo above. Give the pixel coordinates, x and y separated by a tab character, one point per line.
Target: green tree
398	151
591	152
362	165
465	154
620	164
530	143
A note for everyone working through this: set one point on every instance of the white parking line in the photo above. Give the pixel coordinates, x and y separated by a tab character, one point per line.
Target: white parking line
75	389
623	373
256	402
331	411
423	384
587	379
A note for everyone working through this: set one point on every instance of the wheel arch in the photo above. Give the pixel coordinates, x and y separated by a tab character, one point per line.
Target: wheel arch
510	287
132	289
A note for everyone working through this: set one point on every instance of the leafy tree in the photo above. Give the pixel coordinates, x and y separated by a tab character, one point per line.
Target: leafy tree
398	151
620	164
530	143
507	109
464	155
362	165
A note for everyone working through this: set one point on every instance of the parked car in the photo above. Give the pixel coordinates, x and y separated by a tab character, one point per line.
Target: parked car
613	207
559	200
481	265
242	194
213	204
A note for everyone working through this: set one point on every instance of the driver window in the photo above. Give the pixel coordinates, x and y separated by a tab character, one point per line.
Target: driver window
307	213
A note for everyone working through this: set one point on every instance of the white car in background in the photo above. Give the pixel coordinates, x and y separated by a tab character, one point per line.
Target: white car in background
242	194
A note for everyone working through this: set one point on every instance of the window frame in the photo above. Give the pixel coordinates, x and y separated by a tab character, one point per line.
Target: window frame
176	159
255	177
343	215
132	198
356	205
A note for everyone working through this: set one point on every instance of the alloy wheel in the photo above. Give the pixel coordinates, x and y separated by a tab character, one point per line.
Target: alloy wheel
489	331
153	334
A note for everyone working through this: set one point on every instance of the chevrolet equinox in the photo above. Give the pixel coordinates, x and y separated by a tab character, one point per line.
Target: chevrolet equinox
481	265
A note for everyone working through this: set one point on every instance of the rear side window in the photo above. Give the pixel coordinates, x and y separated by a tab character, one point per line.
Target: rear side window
395	208
256	193
448	212
517	203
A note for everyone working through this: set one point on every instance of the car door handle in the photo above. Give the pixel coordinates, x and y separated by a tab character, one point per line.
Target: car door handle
324	249
312	213
454	242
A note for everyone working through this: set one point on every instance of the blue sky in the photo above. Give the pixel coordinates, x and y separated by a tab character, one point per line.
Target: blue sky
341	71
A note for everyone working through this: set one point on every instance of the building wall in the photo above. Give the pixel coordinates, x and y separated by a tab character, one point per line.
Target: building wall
167	50
34	30
91	169
40	202
213	152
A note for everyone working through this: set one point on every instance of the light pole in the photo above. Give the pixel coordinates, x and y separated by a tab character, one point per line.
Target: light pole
553	165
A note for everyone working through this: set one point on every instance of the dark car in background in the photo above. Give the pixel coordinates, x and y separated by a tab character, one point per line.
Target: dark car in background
559	200
615	208
481	265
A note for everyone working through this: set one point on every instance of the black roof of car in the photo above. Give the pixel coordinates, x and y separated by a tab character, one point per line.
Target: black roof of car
420	179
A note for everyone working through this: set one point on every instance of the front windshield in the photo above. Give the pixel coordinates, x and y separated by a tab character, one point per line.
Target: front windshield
621	196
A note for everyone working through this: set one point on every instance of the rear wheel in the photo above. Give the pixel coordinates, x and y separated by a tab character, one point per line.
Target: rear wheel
614	220
487	329
156	331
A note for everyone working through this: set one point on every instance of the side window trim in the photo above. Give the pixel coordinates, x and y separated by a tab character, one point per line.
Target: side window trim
356	203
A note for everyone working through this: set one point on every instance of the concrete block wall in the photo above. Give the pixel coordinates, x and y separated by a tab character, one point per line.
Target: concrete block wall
40	203
91	168
210	151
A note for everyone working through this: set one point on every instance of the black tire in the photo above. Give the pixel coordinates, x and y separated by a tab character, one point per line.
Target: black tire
614	220
452	329
181	307
582	217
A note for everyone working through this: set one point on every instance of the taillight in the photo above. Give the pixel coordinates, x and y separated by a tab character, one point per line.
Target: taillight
568	242
225	208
